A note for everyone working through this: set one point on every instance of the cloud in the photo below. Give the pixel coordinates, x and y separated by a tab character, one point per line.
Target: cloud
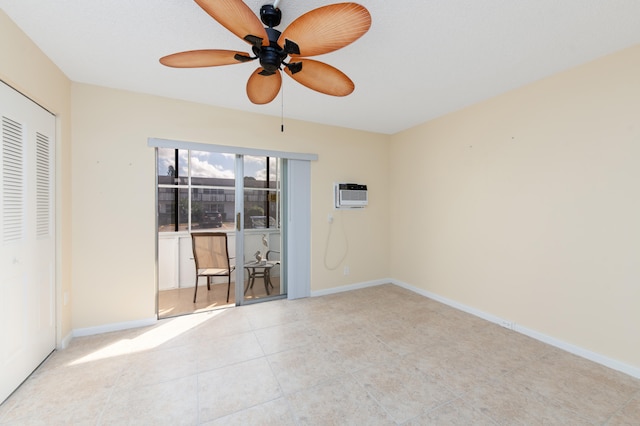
207	164
200	168
213	164
262	175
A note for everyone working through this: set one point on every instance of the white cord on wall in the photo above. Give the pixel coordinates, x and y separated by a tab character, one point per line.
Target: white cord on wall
326	247
275	4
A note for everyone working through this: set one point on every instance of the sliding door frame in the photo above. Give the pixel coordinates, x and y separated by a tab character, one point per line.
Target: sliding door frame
296	215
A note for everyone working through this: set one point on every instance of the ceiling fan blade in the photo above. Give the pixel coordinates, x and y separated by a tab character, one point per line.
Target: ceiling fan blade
327	28
261	88
322	78
236	16
204	58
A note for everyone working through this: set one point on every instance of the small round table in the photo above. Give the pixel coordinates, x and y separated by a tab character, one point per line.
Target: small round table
259	270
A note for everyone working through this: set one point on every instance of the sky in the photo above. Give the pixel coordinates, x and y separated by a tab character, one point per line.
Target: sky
211	164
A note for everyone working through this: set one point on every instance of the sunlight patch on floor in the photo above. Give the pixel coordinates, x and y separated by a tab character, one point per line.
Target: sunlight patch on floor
160	334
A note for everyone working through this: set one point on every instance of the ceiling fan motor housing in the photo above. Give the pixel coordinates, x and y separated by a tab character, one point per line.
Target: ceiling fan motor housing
271	56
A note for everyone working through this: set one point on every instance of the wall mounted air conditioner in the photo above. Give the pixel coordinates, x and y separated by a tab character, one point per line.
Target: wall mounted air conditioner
350	195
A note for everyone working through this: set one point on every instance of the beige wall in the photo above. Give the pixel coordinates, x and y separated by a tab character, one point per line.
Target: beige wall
113	186
25	68
527	206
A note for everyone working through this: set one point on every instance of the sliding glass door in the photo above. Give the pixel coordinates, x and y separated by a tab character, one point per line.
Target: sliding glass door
239	195
259	207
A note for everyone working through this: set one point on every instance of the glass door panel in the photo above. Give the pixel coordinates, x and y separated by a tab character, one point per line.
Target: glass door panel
199	191
196	193
262	234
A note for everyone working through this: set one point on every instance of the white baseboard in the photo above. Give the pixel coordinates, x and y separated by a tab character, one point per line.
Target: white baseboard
454	304
349	287
89	331
581	352
576	350
64	343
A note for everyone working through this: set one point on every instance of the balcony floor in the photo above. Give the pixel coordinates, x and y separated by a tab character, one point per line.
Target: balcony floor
176	302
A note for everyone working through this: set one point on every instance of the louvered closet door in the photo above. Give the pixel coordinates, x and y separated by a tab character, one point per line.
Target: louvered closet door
27	243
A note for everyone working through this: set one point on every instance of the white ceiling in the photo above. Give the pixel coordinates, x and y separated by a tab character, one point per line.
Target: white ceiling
420	59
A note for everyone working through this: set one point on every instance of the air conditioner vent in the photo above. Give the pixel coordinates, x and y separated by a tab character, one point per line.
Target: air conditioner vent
350	195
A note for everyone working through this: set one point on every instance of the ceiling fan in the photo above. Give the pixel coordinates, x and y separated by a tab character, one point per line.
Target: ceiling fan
322	30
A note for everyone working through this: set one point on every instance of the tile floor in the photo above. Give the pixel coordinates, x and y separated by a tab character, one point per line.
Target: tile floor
377	356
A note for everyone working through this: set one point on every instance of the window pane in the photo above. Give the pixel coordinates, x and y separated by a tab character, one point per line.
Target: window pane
274	206
183	211
274	173
210	202
228	208
212	169
182	168
255	172
171	172
260	209
212	208
166	209
167	198
166	166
